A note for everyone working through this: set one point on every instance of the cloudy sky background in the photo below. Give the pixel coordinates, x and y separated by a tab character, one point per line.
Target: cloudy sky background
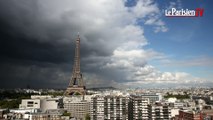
124	44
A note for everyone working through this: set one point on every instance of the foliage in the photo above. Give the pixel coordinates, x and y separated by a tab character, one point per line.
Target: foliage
9	103
14	95
66	114
77	93
12	99
87	117
178	96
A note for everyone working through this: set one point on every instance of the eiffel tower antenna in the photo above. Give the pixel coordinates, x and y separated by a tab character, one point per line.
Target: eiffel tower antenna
76	85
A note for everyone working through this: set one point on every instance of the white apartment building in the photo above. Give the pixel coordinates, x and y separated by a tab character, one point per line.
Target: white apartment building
139	108
78	106
42	103
30	104
109	108
159	112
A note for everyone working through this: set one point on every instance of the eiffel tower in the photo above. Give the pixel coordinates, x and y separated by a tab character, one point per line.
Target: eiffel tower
76	85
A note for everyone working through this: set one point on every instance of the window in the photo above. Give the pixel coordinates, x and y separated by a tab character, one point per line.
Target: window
30	102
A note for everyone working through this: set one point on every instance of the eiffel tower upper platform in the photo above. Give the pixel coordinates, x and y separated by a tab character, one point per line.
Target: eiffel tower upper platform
76	85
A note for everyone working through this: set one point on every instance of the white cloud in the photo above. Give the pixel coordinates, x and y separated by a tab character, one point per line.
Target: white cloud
144	8
160	29
148	75
171	5
175	4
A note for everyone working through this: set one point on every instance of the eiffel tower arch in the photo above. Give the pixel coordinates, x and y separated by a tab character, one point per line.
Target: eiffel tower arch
76	85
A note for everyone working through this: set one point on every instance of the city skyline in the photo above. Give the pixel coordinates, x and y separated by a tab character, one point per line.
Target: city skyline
123	43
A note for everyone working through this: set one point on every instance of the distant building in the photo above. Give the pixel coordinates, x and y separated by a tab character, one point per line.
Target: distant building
51	104
109	108
159	112
34	114
207	114
45	116
30	104
152	97
178	105
189	115
174	112
20	113
2	112
42	103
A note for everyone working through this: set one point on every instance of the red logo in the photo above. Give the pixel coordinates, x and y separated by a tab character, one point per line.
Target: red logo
199	12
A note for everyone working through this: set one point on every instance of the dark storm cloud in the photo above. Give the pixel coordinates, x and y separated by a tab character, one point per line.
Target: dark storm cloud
23	25
23	35
35	48
29	55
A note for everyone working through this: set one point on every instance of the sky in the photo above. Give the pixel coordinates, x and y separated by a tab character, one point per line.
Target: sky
124	43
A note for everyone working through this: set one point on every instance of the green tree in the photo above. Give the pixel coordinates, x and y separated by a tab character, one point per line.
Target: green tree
185	96
87	117
9	103
66	114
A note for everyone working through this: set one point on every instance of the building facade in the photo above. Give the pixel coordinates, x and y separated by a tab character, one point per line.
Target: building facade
152	97
138	108
42	103
109	108
30	104
77	106
189	115
159	112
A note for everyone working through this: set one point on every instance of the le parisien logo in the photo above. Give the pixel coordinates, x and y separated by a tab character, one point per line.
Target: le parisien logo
198	12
